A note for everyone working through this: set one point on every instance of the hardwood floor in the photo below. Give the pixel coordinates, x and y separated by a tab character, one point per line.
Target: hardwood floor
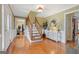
20	45
72	44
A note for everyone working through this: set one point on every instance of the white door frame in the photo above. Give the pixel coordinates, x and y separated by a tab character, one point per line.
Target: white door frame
2	27
65	21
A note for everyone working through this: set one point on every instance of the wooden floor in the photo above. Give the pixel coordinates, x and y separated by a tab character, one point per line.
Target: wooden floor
20	45
72	44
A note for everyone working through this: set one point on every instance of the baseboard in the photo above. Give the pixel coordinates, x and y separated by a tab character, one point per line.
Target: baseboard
56	41
51	39
69	41
3	52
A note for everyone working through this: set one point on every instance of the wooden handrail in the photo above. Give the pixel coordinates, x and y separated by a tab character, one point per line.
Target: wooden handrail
37	21
38	26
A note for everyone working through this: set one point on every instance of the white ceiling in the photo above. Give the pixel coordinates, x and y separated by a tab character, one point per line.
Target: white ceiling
22	10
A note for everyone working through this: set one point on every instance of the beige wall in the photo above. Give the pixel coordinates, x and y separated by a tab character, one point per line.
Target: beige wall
13	22
59	17
41	20
32	16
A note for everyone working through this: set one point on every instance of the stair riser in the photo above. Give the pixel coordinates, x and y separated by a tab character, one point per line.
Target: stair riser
35	33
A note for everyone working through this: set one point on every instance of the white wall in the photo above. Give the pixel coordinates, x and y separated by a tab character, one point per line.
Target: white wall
9	32
0	27
19	21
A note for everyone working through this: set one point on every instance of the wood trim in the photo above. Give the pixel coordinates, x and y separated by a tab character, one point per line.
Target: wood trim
69	40
20	17
38	28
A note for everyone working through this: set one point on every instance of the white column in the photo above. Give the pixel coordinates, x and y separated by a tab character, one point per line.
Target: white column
2	27
64	34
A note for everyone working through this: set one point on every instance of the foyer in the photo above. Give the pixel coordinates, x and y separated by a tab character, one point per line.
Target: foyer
39	28
45	46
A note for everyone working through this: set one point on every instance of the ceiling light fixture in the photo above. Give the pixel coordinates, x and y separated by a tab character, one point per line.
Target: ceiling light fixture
40	8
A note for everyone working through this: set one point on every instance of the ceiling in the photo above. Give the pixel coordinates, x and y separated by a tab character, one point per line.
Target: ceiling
22	10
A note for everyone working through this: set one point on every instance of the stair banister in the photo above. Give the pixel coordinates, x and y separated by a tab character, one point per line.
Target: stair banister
39	27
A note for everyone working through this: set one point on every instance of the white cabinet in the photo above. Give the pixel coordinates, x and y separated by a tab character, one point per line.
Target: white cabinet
56	36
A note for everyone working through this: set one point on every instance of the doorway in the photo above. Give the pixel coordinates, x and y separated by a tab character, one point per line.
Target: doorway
72	29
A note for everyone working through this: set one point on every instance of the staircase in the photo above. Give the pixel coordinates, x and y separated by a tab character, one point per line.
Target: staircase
35	34
35	30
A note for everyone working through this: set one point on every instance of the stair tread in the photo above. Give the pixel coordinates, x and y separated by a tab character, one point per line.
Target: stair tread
36	36
34	33
36	39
